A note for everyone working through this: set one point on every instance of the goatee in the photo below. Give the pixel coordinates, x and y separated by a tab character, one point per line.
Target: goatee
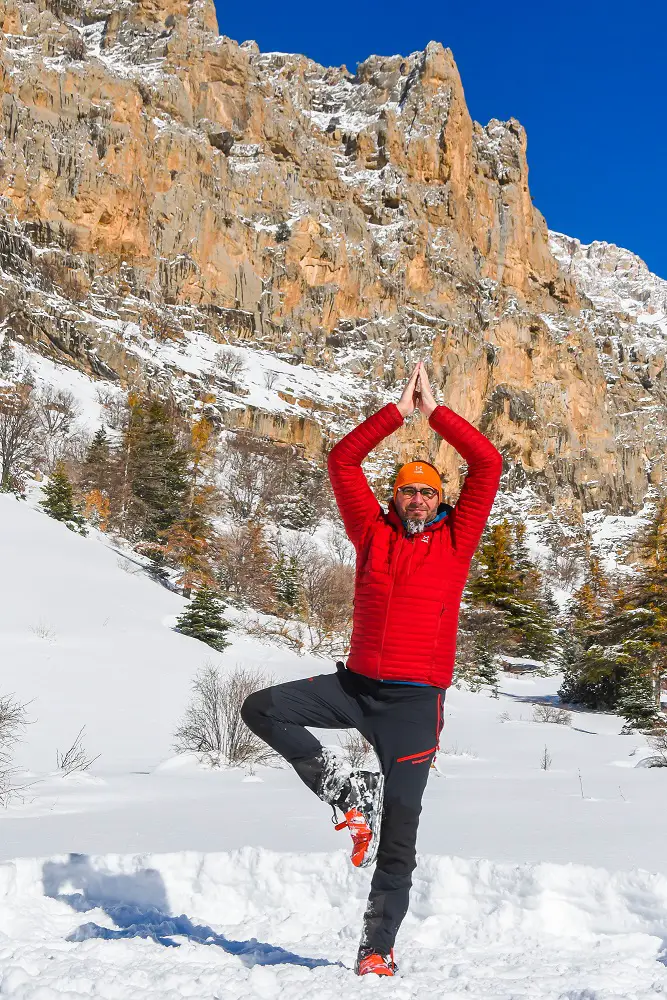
413	527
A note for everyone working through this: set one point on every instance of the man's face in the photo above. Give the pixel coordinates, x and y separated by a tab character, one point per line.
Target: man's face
415	506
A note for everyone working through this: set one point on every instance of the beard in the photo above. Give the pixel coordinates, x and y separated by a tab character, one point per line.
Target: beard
414	526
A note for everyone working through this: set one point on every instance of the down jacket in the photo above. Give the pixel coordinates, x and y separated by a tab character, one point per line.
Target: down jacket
408	587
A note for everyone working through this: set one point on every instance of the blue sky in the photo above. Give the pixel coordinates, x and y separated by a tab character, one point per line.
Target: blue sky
587	80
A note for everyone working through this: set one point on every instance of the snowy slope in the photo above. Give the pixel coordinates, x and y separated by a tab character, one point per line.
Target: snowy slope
530	882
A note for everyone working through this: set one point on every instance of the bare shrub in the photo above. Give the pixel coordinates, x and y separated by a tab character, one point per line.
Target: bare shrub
356	748
270	379
546	759
12	723
456	751
43	631
657	742
289	634
76	758
504	717
551	713
230	363
212	725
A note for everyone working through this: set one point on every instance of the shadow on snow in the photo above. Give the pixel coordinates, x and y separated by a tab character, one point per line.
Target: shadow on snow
137	903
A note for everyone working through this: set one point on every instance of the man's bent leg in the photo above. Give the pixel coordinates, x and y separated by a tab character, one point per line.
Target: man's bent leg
280	714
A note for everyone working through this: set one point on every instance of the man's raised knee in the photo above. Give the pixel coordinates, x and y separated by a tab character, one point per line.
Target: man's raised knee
255	707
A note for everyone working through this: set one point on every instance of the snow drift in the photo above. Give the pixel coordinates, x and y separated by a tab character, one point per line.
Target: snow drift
253	923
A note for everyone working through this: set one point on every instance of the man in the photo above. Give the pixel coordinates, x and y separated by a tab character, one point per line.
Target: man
412	565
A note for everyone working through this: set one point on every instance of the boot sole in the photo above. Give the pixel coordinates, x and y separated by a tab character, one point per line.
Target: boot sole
375	824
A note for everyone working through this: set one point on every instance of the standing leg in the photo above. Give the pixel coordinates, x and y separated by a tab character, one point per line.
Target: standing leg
406	734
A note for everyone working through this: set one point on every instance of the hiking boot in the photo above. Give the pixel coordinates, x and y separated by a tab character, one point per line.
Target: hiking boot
357	794
361	802
371	962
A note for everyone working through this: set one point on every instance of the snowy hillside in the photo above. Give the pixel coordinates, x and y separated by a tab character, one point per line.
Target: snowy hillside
531	882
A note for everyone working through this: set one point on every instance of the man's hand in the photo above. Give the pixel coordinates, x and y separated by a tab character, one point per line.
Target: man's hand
425	399
408	401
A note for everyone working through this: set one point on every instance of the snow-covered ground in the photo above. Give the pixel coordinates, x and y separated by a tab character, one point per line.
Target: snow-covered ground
531	882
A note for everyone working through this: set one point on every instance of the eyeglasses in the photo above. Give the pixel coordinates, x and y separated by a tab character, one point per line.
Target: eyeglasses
410	491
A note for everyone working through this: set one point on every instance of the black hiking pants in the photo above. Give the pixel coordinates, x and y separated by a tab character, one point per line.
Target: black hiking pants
402	723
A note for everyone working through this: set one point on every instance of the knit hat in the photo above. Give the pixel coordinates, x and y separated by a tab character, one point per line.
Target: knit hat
419	472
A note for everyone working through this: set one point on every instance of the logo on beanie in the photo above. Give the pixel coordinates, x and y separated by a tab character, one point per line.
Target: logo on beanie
419	470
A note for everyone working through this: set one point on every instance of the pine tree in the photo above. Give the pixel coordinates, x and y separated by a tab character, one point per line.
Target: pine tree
498	577
203	619
153	480
59	500
623	654
286	574
506	579
191	540
6	358
96	470
636	703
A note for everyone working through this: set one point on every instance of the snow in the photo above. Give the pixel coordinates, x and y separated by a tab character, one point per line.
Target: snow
260	924
530	883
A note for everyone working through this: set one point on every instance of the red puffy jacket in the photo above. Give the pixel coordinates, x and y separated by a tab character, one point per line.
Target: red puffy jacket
408	587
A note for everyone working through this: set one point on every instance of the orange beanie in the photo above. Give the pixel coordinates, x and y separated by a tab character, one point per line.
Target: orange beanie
419	472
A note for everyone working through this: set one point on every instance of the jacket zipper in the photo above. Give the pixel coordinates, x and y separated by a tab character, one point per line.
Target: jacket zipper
391	591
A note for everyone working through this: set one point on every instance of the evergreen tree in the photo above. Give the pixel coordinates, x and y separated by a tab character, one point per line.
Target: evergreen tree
636	703
203	619
623	655
96	470
587	677
481	638
59	500
505	579
286	574
6	357
153	471
497	577
190	541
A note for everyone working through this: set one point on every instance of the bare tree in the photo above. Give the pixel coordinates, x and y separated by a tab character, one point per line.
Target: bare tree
115	405
18	424
339	547
212	725
56	410
230	363
12	723
328	592
270	379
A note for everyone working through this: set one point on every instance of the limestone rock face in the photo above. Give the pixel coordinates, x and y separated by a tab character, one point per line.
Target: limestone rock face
163	188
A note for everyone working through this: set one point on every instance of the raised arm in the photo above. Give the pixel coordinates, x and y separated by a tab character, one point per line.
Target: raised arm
356	501
472	509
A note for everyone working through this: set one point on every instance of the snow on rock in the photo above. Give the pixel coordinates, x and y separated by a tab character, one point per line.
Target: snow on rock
614	279
253	923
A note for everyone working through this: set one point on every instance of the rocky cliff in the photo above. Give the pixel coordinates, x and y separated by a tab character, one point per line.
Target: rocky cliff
165	189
